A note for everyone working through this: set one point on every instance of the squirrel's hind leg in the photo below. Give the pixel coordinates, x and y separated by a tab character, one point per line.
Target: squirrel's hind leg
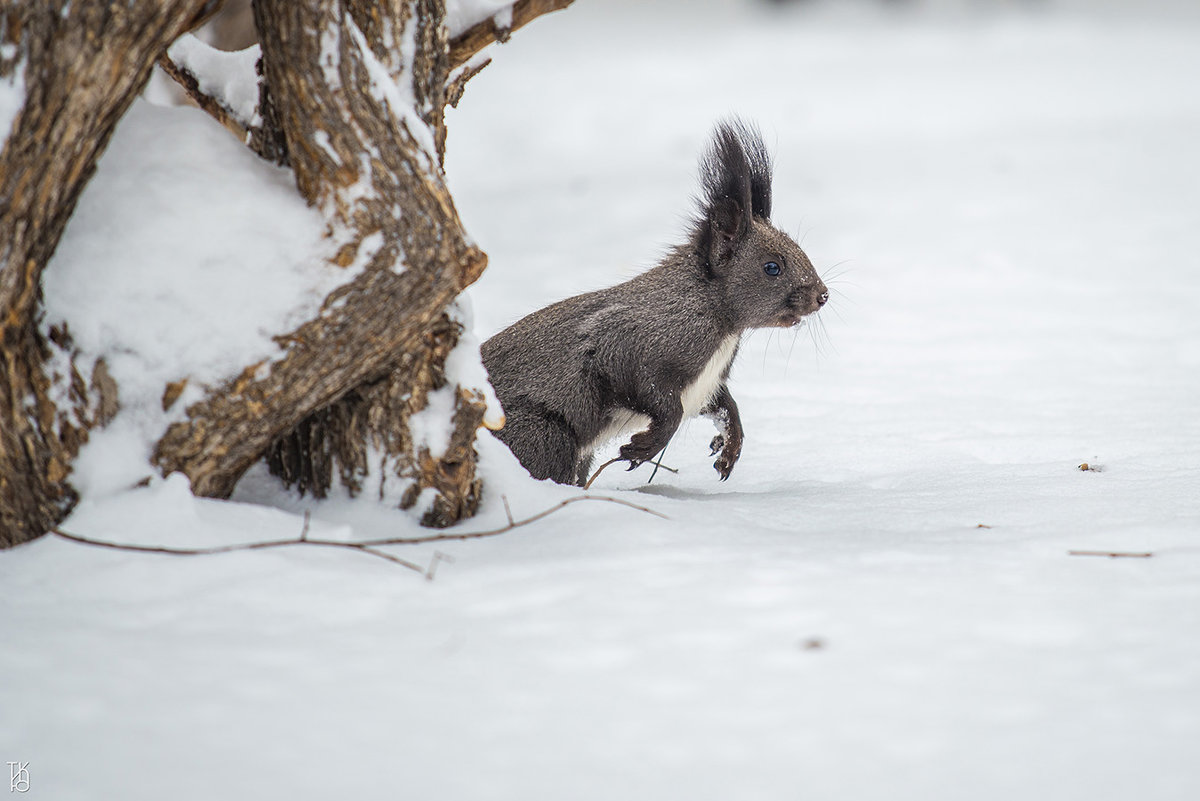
545	446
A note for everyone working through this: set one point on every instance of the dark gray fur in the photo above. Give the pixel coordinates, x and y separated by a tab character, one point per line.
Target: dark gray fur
582	366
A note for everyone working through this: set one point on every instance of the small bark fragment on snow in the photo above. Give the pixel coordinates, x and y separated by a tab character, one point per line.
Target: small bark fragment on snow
172	393
105	392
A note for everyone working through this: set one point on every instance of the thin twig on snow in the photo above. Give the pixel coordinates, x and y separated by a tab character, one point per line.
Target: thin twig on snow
369	547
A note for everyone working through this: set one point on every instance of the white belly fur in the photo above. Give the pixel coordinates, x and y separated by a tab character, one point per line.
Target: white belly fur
624	423
697	394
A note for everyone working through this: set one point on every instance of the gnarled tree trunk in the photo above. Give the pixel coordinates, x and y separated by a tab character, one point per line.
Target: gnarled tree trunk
79	65
360	114
352	97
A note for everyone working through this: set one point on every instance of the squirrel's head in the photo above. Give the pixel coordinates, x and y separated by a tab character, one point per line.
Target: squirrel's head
766	279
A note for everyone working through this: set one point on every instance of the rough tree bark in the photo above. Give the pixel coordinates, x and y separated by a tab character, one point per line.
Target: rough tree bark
357	120
80	66
374	418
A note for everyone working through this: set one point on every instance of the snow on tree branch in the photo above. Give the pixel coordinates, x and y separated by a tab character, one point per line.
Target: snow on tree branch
462	15
482	22
229	78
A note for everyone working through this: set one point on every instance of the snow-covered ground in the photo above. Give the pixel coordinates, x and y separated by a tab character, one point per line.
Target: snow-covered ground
879	604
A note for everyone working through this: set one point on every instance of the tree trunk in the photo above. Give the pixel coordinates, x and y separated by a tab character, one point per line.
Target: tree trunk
79	65
375	420
352	98
358	90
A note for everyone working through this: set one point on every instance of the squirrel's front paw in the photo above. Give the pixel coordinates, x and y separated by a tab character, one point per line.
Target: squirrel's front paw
728	458
724	466
714	447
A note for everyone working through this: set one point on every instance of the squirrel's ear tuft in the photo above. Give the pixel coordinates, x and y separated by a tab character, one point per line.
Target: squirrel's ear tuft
735	183
737	165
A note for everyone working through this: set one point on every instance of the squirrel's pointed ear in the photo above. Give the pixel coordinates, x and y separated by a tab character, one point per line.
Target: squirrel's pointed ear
735	181
727	218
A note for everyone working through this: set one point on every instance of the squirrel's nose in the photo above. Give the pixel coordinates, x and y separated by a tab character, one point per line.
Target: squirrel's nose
823	298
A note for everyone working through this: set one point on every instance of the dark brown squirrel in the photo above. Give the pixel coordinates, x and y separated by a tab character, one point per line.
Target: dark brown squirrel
637	359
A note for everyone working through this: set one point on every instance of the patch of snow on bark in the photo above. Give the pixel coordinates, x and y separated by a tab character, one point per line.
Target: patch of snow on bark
321	138
12	93
399	98
367	249
331	54
58	369
433	425
464	365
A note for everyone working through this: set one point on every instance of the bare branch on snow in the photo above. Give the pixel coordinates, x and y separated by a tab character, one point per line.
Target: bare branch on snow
370	547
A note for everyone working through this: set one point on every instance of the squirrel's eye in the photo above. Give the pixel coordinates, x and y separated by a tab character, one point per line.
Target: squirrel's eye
772	268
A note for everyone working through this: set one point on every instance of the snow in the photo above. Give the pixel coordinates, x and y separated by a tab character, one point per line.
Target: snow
229	77
186	254
462	15
464	366
12	93
331	55
1004	206
385	89
432	425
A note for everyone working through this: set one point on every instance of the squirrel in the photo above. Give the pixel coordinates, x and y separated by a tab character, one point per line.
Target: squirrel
637	359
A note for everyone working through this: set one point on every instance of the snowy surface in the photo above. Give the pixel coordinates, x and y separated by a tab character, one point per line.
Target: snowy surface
1007	208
